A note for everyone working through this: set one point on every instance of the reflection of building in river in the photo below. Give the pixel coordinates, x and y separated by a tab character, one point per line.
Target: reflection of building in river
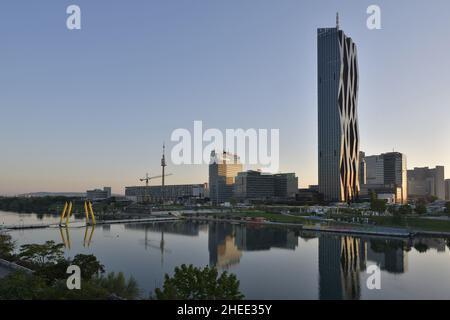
253	239
308	235
186	228
228	253
389	255
437	244
340	261
226	241
217	244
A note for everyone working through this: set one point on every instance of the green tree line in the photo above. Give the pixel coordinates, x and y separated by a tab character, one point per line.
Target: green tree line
48	280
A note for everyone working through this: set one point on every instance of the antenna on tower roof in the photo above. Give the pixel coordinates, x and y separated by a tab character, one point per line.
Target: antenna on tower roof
337	20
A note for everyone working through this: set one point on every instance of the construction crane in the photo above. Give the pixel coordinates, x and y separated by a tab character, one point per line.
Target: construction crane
147	179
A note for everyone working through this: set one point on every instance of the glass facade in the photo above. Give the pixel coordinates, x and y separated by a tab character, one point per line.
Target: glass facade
337	114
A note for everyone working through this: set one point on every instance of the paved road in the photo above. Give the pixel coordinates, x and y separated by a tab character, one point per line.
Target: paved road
4	271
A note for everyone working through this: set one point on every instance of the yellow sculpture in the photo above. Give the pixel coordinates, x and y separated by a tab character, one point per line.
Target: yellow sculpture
66	240
87	242
90	220
63	214
69	213
89	211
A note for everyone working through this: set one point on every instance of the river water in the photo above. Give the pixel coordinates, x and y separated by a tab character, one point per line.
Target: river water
270	262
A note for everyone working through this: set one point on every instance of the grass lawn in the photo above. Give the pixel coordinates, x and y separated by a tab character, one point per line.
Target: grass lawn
415	223
411	223
273	217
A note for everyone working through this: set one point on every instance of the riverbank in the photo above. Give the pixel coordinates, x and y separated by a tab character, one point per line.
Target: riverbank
350	230
380	226
78	224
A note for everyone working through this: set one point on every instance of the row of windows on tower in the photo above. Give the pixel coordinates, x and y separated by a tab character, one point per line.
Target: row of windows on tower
334	78
320	153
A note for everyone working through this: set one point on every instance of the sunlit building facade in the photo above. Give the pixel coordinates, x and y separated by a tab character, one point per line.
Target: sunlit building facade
337	114
424	182
223	169
387	174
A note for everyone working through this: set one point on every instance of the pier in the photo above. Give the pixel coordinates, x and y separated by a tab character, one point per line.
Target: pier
81	225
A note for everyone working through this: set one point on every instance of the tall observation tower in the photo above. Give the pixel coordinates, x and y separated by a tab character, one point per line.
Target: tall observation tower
163	166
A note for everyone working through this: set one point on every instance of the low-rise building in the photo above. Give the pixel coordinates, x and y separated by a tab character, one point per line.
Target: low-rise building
253	185
256	185
308	196
99	194
171	192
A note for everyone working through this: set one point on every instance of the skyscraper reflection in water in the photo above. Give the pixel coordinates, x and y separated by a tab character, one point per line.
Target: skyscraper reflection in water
227	242
341	259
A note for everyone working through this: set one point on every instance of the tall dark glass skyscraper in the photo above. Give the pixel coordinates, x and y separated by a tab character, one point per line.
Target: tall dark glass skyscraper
338	119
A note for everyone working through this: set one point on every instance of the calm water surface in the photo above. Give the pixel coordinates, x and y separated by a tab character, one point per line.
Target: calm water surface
270	262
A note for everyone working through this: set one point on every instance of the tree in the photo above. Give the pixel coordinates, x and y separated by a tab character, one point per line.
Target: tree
405	209
117	285
21	286
421	208
88	291
89	265
392	209
421	247
52	272
6	246
385	245
447	207
373	196
40	254
378	205
191	283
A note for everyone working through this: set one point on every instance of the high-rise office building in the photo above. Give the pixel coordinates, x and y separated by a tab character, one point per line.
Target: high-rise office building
285	185
395	174
374	170
447	189
337	113
427	182
254	185
387	173
223	170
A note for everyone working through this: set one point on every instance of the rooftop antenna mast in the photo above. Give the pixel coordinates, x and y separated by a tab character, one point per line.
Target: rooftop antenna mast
337	20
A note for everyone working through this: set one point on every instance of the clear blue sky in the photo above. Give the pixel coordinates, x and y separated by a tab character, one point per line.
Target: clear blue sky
88	108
